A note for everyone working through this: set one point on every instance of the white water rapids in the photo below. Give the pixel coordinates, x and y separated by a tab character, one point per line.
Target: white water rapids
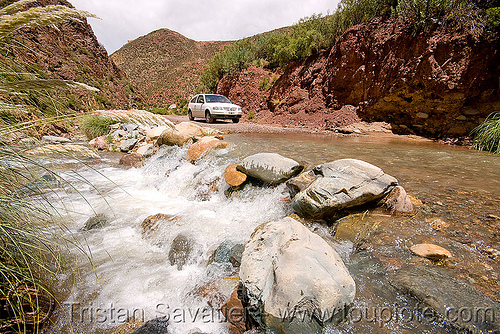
132	275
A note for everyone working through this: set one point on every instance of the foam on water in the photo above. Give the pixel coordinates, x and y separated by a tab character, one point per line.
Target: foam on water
131	271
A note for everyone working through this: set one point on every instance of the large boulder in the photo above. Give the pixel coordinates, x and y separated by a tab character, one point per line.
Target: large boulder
153	134
203	146
285	269
171	137
342	184
270	167
194	130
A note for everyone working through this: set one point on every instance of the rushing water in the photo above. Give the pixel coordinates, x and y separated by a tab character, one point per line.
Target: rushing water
130	275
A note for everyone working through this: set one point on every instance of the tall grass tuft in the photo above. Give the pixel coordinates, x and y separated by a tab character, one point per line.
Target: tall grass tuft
30	249
95	126
487	135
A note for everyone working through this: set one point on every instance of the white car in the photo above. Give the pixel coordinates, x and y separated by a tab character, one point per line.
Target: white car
212	107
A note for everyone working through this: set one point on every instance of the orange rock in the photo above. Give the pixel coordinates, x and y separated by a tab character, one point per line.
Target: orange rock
235	313
431	251
233	177
203	146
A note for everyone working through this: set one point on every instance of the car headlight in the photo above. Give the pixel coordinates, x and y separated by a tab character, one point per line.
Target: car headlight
239	109
217	108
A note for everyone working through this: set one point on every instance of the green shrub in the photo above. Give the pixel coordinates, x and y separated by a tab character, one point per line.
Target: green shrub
95	126
493	15
487	135
461	14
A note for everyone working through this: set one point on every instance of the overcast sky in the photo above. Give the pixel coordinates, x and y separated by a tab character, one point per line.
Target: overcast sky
201	20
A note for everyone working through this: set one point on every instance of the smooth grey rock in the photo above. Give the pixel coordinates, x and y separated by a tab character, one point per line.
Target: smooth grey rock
129	127
179	251
55	139
236	255
97	221
269	167
456	301
342	184
154	326
128	144
285	267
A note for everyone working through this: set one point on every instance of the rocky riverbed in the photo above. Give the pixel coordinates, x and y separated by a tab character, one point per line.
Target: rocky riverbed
428	250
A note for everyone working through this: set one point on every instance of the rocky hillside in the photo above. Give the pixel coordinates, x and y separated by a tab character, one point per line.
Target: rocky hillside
435	84
70	51
165	65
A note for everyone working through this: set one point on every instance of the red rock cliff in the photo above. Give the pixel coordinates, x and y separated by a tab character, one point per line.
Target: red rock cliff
434	84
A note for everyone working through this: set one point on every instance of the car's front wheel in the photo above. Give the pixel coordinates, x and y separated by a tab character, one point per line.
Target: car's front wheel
236	120
208	117
190	115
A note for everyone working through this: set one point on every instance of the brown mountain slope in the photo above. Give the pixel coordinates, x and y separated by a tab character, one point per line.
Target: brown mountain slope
165	65
70	51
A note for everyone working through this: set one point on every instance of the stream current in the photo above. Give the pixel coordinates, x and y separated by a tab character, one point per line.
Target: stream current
129	274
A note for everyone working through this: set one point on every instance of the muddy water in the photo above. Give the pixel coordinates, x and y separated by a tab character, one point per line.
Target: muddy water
130	274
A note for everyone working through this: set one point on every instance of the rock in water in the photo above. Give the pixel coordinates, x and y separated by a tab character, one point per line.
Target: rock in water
454	300
172	137
99	143
154	133
398	201
270	167
155	326
233	177
287	268
235	313
132	160
97	221
431	251
179	251
301	182
202	147
342	184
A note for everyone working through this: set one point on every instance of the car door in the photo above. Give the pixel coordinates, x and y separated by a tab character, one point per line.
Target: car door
199	106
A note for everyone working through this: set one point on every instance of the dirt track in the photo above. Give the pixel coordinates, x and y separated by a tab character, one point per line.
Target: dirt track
357	129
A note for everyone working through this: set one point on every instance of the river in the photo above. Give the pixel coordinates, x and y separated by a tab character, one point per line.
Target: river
130	275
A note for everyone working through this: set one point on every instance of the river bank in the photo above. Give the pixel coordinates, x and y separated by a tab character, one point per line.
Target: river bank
358	129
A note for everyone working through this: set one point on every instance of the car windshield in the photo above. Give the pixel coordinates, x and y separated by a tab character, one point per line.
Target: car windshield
216	99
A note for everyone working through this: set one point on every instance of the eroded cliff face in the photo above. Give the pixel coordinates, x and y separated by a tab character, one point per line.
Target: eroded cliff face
71	51
435	84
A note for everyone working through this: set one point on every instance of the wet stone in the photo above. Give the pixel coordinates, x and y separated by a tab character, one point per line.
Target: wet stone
236	255
95	222
454	300
179	251
431	251
155	326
